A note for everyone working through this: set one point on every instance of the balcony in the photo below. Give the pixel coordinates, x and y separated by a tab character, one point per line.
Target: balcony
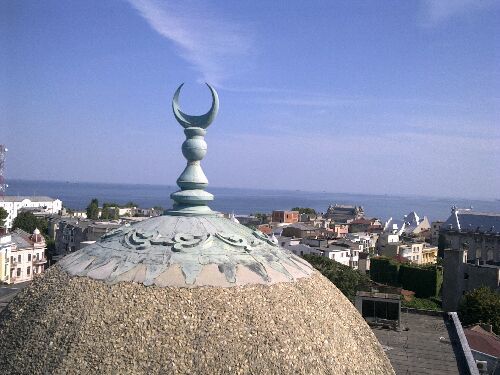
39	261
13	264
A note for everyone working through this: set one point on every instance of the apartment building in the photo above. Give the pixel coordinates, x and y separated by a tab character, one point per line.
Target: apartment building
15	204
27	255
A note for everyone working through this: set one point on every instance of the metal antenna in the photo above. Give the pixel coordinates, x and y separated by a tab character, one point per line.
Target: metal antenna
3	185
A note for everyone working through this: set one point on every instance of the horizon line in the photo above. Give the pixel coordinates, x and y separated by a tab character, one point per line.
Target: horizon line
396	195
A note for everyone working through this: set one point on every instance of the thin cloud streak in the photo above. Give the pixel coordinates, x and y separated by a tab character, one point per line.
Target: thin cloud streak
211	45
302	99
438	11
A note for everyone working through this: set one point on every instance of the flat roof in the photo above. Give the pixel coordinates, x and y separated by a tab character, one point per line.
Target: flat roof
425	348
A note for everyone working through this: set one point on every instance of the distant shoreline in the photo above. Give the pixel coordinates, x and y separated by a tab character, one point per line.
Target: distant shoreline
174	186
77	195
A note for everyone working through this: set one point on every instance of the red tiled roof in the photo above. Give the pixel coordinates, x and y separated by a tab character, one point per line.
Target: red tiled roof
483	341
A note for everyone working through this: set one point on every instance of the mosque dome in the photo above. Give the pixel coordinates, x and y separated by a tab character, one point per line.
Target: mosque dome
189	292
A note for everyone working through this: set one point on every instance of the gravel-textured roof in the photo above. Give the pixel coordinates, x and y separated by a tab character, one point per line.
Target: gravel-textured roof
424	346
68	325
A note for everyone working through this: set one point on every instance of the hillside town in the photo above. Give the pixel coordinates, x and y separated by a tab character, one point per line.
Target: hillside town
462	252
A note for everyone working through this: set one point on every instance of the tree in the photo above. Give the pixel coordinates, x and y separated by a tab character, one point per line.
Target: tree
29	222
349	281
3	216
305	210
105	213
93	209
130	205
481	305
51	247
261	217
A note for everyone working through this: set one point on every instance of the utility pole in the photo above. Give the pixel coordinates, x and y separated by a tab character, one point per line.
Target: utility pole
3	185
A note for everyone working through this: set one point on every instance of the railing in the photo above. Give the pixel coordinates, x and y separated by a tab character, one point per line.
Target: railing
40	261
13	264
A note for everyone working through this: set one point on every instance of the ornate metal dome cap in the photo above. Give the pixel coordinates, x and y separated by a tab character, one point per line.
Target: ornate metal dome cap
190	245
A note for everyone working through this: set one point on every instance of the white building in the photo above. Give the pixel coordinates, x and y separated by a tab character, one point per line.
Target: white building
5	249
411	224
345	255
27	255
14	204
367	240
385	240
342	256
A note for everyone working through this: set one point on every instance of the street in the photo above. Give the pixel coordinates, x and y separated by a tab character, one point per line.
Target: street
8	292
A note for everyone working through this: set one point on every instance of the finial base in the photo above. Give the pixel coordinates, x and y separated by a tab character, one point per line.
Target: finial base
185	210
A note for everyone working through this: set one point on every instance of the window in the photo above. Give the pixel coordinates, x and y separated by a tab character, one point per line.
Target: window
29	257
19	258
28	271
18	272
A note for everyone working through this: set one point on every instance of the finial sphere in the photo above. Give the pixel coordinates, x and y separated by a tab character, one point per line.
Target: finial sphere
188	121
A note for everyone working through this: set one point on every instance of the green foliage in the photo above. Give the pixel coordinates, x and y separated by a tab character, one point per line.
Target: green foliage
110	211
305	210
424	281
349	281
105	212
93	209
261	216
130	205
423	304
51	247
481	305
29	222
3	216
158	208
384	270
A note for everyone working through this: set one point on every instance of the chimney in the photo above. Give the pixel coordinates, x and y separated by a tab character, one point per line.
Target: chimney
487	327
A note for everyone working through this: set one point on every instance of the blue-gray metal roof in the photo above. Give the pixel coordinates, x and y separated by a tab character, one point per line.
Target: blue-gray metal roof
465	219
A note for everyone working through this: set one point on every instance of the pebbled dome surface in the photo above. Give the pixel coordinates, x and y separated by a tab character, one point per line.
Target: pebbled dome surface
64	324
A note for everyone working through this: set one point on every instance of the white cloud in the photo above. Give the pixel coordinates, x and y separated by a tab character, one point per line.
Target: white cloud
213	46
437	11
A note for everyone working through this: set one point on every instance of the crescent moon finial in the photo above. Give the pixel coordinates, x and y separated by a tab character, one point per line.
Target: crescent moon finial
188	121
192	199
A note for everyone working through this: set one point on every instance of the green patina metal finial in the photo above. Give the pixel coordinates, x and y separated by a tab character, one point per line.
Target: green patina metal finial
192	199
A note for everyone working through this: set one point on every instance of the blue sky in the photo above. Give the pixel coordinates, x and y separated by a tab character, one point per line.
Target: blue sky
385	97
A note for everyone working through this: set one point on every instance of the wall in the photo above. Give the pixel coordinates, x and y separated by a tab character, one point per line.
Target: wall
461	277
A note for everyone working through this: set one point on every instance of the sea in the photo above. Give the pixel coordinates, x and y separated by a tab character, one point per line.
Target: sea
77	195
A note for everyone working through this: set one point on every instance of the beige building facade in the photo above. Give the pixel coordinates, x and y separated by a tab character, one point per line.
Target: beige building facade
27	256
